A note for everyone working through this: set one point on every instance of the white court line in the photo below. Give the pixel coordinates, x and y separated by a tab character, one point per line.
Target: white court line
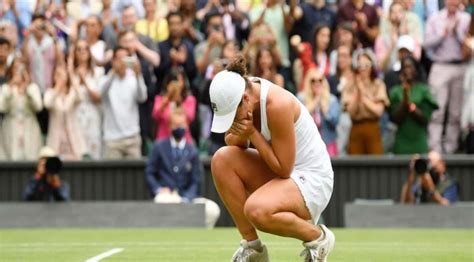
105	254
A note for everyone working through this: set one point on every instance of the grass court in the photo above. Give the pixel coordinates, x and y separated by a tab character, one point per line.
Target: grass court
196	245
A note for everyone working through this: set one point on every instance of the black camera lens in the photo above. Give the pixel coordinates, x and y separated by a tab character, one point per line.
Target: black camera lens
53	165
421	166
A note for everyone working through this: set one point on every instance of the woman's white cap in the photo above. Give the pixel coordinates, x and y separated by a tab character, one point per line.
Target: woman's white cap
407	42
226	91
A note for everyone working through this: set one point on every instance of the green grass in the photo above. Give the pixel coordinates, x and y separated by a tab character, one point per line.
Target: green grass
176	245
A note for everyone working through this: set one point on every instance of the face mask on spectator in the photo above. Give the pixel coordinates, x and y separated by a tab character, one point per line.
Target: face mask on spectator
178	133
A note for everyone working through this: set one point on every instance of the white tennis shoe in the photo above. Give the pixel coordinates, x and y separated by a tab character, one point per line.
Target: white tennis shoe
318	250
247	254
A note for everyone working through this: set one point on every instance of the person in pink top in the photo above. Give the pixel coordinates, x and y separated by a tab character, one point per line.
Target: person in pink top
176	93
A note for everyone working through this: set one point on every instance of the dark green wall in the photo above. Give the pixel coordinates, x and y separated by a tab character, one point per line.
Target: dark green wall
355	177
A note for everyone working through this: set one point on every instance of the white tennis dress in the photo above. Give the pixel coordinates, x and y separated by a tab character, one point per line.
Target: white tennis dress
313	172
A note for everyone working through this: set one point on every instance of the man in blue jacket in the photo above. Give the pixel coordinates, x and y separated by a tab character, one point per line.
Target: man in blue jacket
173	171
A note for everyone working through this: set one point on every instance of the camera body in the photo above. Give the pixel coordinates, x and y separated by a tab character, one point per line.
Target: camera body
53	165
129	61
421	166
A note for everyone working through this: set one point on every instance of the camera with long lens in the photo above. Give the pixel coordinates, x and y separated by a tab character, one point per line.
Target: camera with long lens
53	165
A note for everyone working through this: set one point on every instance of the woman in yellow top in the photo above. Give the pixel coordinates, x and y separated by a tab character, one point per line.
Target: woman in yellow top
152	26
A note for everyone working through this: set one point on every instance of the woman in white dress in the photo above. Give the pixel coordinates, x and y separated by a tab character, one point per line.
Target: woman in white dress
64	134
284	184
20	100
86	77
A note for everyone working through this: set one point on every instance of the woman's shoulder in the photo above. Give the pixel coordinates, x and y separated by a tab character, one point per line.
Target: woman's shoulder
378	83
395	91
279	80
396	88
280	100
33	86
190	99
421	85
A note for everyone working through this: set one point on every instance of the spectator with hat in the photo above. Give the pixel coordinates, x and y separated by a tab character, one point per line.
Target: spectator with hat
405	47
411	106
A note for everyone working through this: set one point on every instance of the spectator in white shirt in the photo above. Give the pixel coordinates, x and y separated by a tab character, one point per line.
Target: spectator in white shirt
122	89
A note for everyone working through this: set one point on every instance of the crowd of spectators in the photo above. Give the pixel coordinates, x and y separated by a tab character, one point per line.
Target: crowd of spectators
100	79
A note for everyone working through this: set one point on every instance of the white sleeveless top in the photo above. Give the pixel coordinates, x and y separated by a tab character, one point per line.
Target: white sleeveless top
311	152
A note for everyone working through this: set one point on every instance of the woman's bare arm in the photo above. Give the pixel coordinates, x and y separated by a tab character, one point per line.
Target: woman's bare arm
281	153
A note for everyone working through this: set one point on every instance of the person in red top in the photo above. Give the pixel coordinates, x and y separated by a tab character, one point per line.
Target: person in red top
315	54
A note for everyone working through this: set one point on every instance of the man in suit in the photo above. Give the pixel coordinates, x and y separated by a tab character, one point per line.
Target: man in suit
173	171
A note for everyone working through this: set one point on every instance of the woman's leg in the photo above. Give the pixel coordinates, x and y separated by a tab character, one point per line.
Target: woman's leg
279	208
237	173
275	205
355	145
374	138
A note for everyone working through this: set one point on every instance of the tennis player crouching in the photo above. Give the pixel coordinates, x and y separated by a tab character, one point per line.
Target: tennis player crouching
284	185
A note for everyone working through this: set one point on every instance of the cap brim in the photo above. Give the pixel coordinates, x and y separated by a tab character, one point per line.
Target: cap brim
405	47
221	124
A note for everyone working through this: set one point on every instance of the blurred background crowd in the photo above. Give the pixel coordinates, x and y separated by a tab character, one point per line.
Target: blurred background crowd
101	79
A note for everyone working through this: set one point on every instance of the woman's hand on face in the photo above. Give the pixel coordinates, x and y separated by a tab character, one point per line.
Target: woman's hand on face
243	127
173	90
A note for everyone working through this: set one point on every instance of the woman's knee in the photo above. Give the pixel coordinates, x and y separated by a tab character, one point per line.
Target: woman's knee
257	214
222	159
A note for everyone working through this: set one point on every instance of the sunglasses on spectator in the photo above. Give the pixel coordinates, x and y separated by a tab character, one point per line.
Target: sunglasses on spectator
314	80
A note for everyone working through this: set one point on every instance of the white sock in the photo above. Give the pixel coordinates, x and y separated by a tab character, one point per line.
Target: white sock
321	237
316	241
255	245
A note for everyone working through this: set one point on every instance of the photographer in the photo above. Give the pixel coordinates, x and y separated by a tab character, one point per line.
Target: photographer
46	185
428	182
